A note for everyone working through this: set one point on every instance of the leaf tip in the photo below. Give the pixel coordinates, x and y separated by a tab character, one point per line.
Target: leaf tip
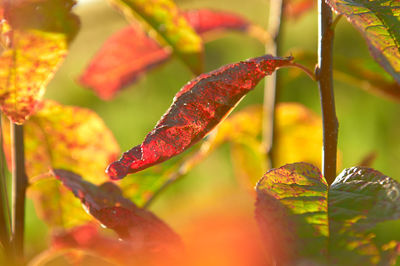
116	171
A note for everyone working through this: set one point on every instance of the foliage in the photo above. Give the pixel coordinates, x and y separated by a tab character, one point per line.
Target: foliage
71	153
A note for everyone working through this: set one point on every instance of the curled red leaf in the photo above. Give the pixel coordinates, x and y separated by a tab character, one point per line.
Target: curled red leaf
197	108
109	207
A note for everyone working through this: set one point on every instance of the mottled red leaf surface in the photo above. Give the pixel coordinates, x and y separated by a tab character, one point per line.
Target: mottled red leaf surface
292	212
379	23
68	137
197	108
164	19
110	208
37	40
130	52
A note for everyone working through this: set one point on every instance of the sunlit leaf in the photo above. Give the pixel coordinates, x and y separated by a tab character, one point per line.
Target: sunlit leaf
109	207
292	213
165	19
197	108
359	200
67	137
130	52
37	38
73	138
379	23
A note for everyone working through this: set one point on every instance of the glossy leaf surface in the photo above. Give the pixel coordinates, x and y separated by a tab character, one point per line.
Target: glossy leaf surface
359	200
130	52
110	208
38	36
379	23
197	108
292	212
164	17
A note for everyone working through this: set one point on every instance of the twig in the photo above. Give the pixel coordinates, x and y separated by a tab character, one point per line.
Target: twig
5	220
272	82
325	82
309	73
19	183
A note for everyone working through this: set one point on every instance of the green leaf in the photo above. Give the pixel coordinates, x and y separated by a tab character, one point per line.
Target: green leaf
170	26
292	212
37	37
359	200
379	23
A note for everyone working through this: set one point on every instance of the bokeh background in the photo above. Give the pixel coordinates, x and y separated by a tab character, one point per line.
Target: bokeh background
367	123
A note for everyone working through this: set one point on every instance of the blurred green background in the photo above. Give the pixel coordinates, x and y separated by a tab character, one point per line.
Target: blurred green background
366	123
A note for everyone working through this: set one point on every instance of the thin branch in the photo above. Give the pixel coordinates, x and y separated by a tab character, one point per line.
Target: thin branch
5	220
20	182
306	70
325	82
272	82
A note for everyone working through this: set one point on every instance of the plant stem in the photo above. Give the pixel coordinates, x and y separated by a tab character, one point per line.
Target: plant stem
272	82
4	207
19	183
325	82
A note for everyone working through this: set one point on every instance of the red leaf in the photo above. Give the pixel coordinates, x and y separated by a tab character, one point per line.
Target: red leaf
130	52
197	108
206	20
295	8
106	204
121	60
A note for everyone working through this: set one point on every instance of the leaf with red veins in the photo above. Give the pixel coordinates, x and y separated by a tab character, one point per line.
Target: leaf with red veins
121	60
109	207
197	108
35	37
130	52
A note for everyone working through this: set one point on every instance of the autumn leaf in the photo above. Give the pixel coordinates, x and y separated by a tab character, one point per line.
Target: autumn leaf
130	52
66	137
170	26
359	200
197	108
110	208
378	22
292	213
73	138
37	34
291	209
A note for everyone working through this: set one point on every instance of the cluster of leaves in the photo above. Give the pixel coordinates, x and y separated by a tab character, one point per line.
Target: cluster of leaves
302	219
